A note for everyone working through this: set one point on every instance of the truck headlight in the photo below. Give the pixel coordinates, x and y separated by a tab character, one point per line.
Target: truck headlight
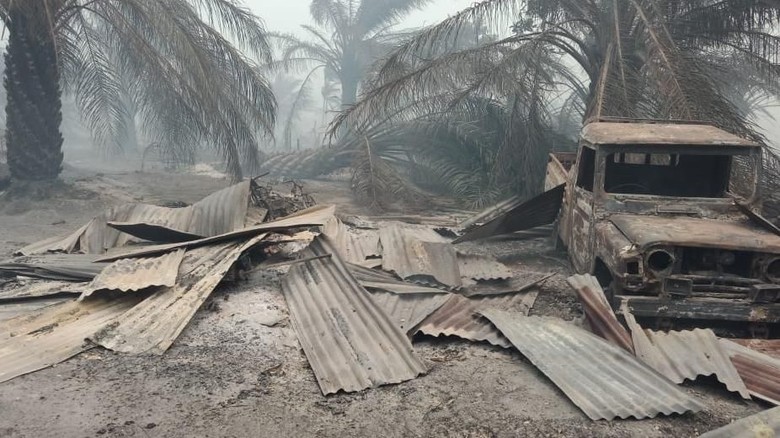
660	260
772	270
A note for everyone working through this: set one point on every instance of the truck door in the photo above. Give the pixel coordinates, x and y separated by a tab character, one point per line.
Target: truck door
581	217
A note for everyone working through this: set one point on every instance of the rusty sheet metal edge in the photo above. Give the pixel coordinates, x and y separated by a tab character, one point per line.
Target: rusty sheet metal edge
350	343
539	210
408	310
459	317
153	232
760	372
418	254
53	334
218	213
602	379
311	217
685	355
153	325
764	424
482	267
353	247
135	274
598	312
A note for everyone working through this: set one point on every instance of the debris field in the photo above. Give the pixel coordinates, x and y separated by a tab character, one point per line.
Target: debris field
360	292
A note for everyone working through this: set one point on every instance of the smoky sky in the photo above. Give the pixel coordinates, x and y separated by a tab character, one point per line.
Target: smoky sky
287	15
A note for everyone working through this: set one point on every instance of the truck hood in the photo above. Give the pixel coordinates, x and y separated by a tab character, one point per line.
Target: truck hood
739	235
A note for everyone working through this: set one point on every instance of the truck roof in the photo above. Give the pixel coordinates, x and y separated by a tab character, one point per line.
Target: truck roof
660	133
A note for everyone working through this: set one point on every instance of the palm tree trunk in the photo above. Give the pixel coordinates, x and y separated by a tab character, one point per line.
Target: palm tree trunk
34	108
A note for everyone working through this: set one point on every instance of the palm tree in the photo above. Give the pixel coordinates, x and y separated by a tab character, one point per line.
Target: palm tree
629	58
349	36
191	83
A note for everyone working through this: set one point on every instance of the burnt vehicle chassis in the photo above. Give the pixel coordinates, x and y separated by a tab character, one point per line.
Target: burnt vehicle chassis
652	211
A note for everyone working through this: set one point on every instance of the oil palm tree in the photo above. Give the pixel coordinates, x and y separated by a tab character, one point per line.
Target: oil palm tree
628	58
347	38
194	80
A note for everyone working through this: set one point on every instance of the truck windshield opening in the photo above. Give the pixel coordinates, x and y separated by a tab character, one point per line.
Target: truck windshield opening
675	175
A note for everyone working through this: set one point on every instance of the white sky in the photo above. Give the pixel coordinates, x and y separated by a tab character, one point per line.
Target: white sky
288	15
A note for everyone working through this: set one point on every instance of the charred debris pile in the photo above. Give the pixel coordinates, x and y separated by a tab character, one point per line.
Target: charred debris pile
358	290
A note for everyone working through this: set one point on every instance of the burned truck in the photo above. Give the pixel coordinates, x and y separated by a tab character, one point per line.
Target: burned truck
667	217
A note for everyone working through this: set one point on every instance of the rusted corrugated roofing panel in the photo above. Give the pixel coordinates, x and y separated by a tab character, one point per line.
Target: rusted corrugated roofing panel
482	267
681	355
353	246
459	317
135	274
153	325
598	312
761	373
408	310
602	379
63	267
350	342
660	133
314	216
492	212
376	279
218	213
19	308
153	232
764	424
518	283
770	347
418	254
55	333
540	210
31	289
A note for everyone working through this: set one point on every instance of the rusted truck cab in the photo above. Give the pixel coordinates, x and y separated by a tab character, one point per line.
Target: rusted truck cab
667	217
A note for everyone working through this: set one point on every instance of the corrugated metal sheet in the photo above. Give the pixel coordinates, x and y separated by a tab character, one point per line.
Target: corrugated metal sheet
459	316
218	213
540	210
63	267
311	217
135	274
353	246
770	347
598	312
18	290
492	212
350	342
376	279
408	310
681	355
56	333
519	283
761	425
761	373
602	379
418	254
153	232
481	267
153	325
19	308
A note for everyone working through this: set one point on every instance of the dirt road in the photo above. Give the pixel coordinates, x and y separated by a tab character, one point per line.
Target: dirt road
238	370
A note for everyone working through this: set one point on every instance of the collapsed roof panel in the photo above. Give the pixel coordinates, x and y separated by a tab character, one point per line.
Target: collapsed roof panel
136	274
153	325
459	316
602	379
350	342
685	355
418	254
53	334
